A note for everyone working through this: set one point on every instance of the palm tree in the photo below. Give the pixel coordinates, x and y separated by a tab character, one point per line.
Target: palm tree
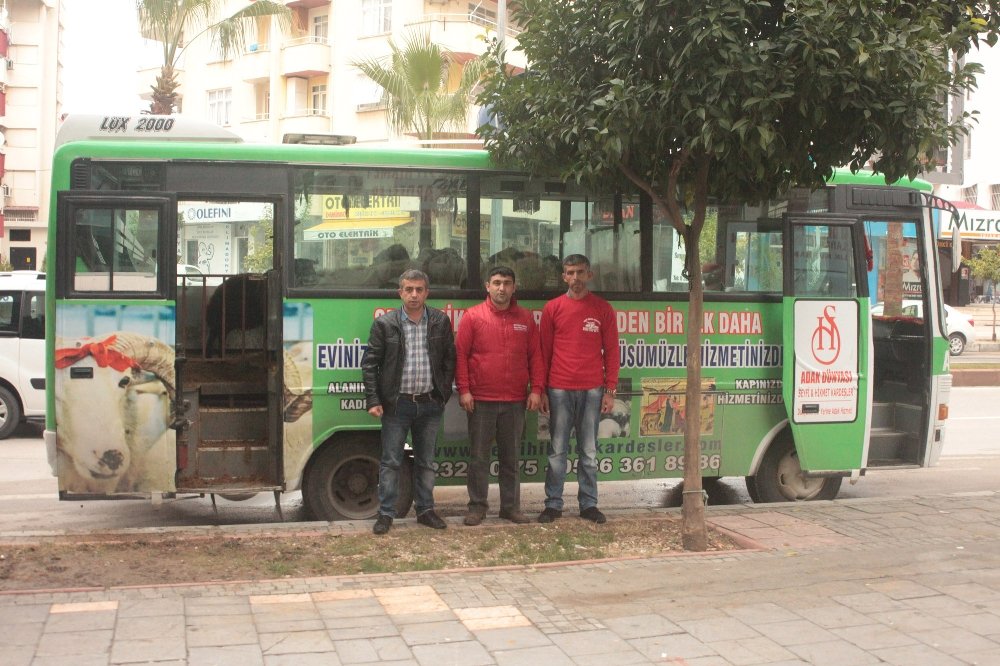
165	21
415	86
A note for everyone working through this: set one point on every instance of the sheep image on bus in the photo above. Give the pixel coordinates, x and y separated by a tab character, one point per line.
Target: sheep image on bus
301	245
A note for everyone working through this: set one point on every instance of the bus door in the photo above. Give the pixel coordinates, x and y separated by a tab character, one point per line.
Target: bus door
228	296
113	375
827	342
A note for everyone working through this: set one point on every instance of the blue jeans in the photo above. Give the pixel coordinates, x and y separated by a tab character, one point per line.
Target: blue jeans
580	410
422	420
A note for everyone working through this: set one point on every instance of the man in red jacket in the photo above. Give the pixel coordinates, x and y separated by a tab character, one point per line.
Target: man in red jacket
579	334
498	357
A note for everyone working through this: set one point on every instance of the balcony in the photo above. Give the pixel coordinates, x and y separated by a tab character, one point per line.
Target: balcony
306	4
255	62
305	121
305	56
463	33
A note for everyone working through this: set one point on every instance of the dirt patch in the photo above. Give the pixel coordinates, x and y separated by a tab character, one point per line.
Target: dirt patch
115	560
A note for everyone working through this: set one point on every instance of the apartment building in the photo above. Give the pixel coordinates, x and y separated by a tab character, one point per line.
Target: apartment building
976	190
30	99
300	79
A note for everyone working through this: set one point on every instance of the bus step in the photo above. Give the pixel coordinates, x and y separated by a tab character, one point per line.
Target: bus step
232	459
887	444
909	418
224	485
882	415
231	444
232	422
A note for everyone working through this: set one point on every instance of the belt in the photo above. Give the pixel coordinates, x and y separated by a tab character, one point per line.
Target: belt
417	397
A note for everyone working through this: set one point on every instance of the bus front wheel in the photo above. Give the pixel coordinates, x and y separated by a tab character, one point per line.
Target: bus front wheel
342	483
780	479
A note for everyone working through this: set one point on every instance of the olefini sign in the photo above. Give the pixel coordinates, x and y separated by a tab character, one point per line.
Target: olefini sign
973	225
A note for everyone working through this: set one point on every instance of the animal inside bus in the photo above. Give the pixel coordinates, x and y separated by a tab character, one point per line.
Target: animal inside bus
243	374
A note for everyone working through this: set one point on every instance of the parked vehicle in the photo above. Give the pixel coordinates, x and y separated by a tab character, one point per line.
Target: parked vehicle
961	327
165	386
22	349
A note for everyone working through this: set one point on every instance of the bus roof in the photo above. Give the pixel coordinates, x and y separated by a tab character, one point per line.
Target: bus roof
83	127
146	136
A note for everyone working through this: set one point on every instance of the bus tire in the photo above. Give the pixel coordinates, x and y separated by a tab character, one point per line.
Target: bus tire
779	478
342	483
10	413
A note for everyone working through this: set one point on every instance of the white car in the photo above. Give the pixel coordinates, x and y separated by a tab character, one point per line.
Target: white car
189	274
22	349
961	328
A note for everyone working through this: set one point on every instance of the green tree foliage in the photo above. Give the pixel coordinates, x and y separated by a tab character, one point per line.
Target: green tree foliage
986	266
416	85
177	23
734	99
260	258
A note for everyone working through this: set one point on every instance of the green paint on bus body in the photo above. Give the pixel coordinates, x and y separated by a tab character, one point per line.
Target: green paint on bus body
742	356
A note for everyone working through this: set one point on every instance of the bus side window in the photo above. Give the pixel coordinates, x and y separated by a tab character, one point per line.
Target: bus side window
115	249
824	261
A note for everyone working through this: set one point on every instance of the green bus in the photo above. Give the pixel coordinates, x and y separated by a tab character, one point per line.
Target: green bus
209	302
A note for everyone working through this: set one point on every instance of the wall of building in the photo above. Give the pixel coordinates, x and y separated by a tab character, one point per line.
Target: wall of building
274	81
33	102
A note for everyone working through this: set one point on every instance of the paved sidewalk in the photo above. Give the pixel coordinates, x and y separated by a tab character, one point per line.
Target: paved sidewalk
903	581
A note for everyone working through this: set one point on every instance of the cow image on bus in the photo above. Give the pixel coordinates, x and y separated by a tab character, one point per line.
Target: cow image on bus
299	248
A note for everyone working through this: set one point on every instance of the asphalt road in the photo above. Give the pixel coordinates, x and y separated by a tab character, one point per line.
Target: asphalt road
29	500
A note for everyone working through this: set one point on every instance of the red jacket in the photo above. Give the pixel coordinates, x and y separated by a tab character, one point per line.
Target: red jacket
499	353
580	343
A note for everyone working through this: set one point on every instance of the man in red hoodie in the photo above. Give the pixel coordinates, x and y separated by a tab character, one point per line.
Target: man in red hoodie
579	334
498	357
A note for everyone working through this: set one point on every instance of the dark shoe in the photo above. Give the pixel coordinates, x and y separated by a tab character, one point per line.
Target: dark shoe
549	515
515	517
594	514
431	519
474	517
382	524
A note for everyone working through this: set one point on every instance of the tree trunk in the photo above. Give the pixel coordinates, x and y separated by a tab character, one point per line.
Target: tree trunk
694	533
164	92
693	530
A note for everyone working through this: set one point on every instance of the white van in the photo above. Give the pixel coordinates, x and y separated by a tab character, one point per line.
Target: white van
22	349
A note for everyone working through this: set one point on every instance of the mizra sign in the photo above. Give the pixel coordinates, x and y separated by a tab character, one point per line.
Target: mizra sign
973	224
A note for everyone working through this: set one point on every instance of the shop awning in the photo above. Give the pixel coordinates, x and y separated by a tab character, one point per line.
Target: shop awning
354	229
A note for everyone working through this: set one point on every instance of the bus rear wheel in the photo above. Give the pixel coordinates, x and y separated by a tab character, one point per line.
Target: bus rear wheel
780	479
342	483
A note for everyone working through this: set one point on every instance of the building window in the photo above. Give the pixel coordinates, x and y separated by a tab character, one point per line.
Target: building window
262	101
482	15
376	16
970	194
220	104
317	95
321	28
368	94
995	197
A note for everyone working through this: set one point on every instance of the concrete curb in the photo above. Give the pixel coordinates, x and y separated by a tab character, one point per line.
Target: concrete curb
975	377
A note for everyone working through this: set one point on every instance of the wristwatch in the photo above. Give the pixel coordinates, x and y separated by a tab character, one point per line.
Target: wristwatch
611	391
